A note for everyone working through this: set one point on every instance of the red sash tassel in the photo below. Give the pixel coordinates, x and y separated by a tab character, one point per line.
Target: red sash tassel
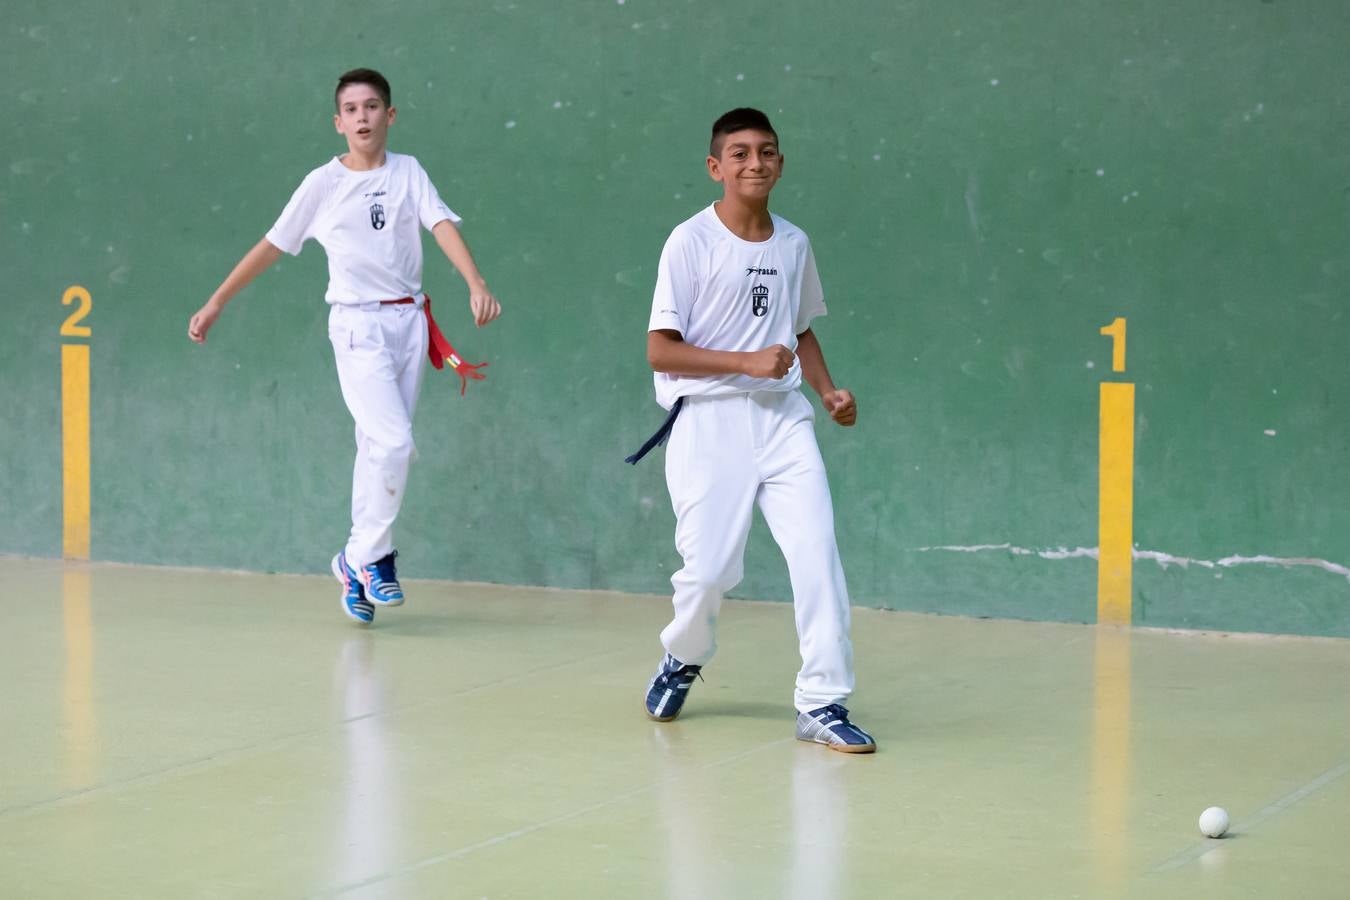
440	351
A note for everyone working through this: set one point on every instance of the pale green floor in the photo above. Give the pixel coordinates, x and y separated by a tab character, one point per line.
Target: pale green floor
181	734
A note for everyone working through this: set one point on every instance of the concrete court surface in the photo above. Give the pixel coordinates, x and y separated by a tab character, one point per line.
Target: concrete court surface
192	734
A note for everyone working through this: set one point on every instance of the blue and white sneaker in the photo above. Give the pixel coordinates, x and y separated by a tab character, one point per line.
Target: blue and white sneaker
354	602
669	688
830	726
381	581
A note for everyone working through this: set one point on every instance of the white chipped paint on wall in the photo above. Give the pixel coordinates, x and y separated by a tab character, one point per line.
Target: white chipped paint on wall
972	198
1054	553
1162	559
1228	562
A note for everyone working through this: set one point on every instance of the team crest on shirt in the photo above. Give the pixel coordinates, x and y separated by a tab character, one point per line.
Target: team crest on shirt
759	300
376	216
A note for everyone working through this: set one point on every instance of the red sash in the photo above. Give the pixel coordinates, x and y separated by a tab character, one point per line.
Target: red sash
439	349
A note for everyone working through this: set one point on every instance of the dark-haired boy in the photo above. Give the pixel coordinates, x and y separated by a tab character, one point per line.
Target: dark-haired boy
730	342
365	208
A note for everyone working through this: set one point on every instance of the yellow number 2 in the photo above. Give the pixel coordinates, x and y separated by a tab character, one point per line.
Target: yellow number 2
71	327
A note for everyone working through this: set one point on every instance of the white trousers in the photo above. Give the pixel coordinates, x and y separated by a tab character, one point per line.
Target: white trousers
381	354
724	455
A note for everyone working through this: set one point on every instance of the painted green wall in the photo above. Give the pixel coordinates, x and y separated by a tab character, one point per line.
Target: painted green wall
985	187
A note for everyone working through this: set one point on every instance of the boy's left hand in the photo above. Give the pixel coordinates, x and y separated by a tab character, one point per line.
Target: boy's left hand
484	306
841	406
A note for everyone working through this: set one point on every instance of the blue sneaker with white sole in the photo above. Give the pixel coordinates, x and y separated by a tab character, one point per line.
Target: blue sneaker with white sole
381	581
669	688
829	725
354	602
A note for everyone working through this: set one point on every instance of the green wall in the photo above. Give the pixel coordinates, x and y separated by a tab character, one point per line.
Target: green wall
986	186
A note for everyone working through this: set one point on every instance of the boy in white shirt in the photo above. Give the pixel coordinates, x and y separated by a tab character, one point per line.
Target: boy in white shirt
365	208
730	342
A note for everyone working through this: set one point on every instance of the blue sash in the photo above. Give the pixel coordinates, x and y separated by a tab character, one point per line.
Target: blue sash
661	434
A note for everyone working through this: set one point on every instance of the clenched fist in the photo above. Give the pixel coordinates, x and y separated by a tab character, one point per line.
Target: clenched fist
771	362
841	406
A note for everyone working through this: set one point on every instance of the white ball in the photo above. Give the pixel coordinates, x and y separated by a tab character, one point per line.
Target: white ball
1214	822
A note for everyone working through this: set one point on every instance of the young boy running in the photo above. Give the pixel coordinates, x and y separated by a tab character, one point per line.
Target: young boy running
730	342
365	208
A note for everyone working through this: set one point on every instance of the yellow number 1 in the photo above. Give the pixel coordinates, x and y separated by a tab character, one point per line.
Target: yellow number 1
1116	332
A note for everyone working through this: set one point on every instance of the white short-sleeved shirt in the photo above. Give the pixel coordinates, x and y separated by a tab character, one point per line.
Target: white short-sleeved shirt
724	293
367	223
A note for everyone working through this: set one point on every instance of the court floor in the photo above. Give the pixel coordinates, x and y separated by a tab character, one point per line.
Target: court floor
185	734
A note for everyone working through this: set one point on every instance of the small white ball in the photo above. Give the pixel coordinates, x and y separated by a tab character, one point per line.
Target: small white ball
1214	822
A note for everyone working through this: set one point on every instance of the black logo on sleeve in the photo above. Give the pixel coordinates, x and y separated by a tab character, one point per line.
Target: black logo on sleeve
759	300
376	216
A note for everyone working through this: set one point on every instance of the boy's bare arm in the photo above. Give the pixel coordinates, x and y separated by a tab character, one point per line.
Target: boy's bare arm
254	263
484	306
839	403
667	352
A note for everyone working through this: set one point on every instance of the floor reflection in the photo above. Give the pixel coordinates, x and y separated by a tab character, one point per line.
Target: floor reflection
1111	756
819	823
690	858
810	839
369	825
80	726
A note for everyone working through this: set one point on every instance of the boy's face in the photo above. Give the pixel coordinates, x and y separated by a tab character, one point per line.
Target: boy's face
748	166
363	118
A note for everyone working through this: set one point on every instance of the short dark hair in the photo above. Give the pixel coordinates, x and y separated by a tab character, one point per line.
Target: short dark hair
365	76
738	119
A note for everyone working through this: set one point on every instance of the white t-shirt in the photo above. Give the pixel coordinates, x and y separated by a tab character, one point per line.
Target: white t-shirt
367	223
724	293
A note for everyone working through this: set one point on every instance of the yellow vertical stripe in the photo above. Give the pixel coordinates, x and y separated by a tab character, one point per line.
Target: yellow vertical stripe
75	449
1115	499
